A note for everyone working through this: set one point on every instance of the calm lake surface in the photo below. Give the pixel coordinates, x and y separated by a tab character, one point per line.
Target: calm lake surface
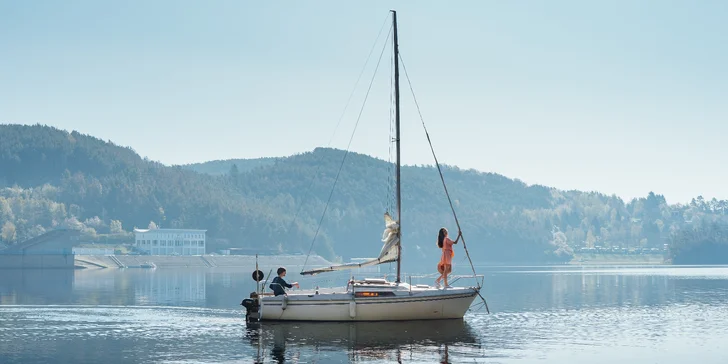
561	314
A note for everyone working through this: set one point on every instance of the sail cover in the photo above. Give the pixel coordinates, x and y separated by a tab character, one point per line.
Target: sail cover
389	252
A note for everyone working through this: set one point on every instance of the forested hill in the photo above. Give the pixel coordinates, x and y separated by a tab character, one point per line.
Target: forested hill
49	177
221	167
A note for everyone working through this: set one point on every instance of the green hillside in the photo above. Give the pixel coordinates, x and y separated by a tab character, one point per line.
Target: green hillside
221	167
49	177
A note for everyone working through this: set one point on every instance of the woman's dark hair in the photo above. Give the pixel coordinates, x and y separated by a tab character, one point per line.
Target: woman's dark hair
441	237
281	270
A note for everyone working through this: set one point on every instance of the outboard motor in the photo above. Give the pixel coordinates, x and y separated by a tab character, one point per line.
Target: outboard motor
252	308
252	304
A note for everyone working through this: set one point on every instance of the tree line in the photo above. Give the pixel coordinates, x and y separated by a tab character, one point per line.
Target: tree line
51	178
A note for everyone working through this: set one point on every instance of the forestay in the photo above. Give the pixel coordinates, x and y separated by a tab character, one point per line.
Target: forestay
390	238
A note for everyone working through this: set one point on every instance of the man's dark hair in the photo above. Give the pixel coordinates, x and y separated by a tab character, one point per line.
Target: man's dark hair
281	270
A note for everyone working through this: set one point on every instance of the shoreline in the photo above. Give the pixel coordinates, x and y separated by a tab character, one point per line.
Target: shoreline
618	259
192	261
294	261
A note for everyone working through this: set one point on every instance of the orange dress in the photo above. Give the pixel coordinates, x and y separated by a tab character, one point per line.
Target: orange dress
447	254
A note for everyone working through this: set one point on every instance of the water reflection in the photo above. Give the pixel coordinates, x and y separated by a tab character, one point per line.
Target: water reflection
561	314
171	288
507	290
35	286
557	288
360	341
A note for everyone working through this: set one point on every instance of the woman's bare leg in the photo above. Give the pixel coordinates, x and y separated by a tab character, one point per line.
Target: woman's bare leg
438	280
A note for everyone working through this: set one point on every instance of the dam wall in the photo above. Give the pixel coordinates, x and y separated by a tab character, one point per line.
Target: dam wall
36	261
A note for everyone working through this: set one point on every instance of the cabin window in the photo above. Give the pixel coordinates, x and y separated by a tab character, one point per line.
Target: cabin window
373	294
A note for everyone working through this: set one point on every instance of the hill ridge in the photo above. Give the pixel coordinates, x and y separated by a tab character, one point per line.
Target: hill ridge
105	189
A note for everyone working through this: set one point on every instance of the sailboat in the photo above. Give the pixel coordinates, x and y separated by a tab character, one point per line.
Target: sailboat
369	299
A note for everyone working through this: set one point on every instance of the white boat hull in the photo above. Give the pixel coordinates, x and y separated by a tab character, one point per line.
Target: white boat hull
402	304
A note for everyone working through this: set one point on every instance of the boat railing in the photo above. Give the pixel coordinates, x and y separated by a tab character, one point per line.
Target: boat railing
343	279
479	278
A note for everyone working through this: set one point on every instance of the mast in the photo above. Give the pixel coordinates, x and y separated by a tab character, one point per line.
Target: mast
396	121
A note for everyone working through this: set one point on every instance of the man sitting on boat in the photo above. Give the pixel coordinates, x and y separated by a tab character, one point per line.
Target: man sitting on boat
279	284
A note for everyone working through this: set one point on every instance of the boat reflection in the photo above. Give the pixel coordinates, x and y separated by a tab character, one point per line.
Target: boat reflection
360	341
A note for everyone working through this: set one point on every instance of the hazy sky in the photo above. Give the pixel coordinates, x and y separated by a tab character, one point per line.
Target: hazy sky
621	97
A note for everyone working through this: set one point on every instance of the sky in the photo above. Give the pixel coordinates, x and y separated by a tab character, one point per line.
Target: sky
621	97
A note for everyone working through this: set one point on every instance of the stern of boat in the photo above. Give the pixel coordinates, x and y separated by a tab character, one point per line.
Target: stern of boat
252	308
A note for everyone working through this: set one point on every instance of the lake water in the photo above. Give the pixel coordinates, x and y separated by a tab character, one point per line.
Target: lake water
559	314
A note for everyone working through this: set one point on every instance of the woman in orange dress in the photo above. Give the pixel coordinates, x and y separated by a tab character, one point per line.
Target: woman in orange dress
445	265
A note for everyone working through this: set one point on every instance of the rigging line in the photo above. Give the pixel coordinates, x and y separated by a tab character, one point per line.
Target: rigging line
346	107
346	153
439	170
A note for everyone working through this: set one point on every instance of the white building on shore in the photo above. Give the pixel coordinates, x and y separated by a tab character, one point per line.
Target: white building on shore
170	241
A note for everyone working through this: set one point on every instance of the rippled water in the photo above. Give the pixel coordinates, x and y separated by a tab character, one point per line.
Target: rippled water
544	314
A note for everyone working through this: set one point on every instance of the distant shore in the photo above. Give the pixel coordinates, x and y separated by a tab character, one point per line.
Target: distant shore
211	261
194	261
296	261
588	259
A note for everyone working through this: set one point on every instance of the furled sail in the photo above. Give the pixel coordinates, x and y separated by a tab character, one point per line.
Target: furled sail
389	252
